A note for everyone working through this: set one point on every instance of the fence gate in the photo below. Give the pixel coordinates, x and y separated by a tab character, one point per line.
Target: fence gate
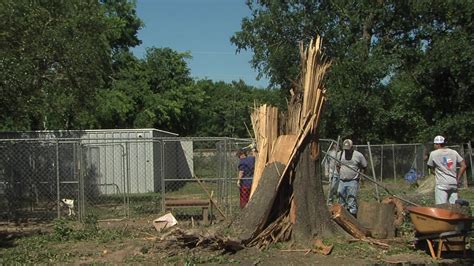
103	181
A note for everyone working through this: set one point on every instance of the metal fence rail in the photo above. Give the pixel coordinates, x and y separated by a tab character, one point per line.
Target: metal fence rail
131	177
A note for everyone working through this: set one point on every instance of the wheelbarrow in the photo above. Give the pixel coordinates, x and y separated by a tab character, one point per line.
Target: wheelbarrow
442	226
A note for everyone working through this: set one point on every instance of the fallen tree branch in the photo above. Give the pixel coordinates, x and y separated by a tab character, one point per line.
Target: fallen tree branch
194	239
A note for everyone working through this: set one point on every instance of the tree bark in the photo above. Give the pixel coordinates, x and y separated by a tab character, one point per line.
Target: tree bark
378	218
312	215
307	210
261	203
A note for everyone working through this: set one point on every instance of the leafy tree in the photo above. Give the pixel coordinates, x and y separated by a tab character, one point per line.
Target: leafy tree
56	57
175	100
120	103
45	49
433	86
156	91
123	24
382	52
228	106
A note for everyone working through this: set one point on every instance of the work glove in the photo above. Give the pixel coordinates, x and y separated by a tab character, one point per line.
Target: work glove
238	182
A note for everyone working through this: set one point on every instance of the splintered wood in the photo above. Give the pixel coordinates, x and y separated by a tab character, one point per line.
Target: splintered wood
265	126
279	230
348	222
279	137
195	239
304	111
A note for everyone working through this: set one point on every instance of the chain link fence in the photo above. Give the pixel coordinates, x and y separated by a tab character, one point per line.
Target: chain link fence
114	178
35	175
391	162
131	176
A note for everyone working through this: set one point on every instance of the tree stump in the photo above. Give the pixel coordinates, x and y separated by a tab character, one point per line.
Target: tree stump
300	195
312	215
379	218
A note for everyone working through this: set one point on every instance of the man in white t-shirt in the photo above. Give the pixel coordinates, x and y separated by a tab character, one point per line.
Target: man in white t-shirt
444	161
352	163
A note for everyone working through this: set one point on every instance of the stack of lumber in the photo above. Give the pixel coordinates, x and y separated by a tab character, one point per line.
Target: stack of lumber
294	127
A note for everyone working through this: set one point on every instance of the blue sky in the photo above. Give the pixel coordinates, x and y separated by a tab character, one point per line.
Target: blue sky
202	27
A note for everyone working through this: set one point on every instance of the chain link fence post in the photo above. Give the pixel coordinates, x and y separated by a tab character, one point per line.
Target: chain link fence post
470	160
162	174
58	182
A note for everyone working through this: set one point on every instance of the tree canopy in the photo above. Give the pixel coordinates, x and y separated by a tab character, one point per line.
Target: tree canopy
402	70
56	56
67	65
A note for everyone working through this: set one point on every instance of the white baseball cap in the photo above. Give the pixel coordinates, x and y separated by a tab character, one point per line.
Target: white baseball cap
347	144
438	140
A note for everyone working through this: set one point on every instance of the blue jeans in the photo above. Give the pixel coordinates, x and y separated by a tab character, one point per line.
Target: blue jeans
347	192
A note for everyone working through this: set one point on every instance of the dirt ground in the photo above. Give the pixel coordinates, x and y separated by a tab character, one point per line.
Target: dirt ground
142	244
137	241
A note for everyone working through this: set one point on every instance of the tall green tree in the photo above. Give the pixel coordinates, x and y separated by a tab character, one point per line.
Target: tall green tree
432	89
156	91
120	102
382	52
56	57
123	24
174	101
228	106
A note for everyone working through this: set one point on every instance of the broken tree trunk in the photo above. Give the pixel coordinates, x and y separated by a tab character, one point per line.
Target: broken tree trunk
288	199
251	220
297	211
312	215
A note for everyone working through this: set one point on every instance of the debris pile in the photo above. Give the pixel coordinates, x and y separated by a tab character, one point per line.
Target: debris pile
196	239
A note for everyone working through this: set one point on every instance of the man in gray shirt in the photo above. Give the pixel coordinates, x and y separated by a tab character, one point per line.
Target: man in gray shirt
352	162
444	161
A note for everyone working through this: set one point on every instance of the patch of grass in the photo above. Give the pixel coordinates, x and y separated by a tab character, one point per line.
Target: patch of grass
64	230
49	248
192	188
279	245
401	249
355	249
32	250
467	194
173	259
